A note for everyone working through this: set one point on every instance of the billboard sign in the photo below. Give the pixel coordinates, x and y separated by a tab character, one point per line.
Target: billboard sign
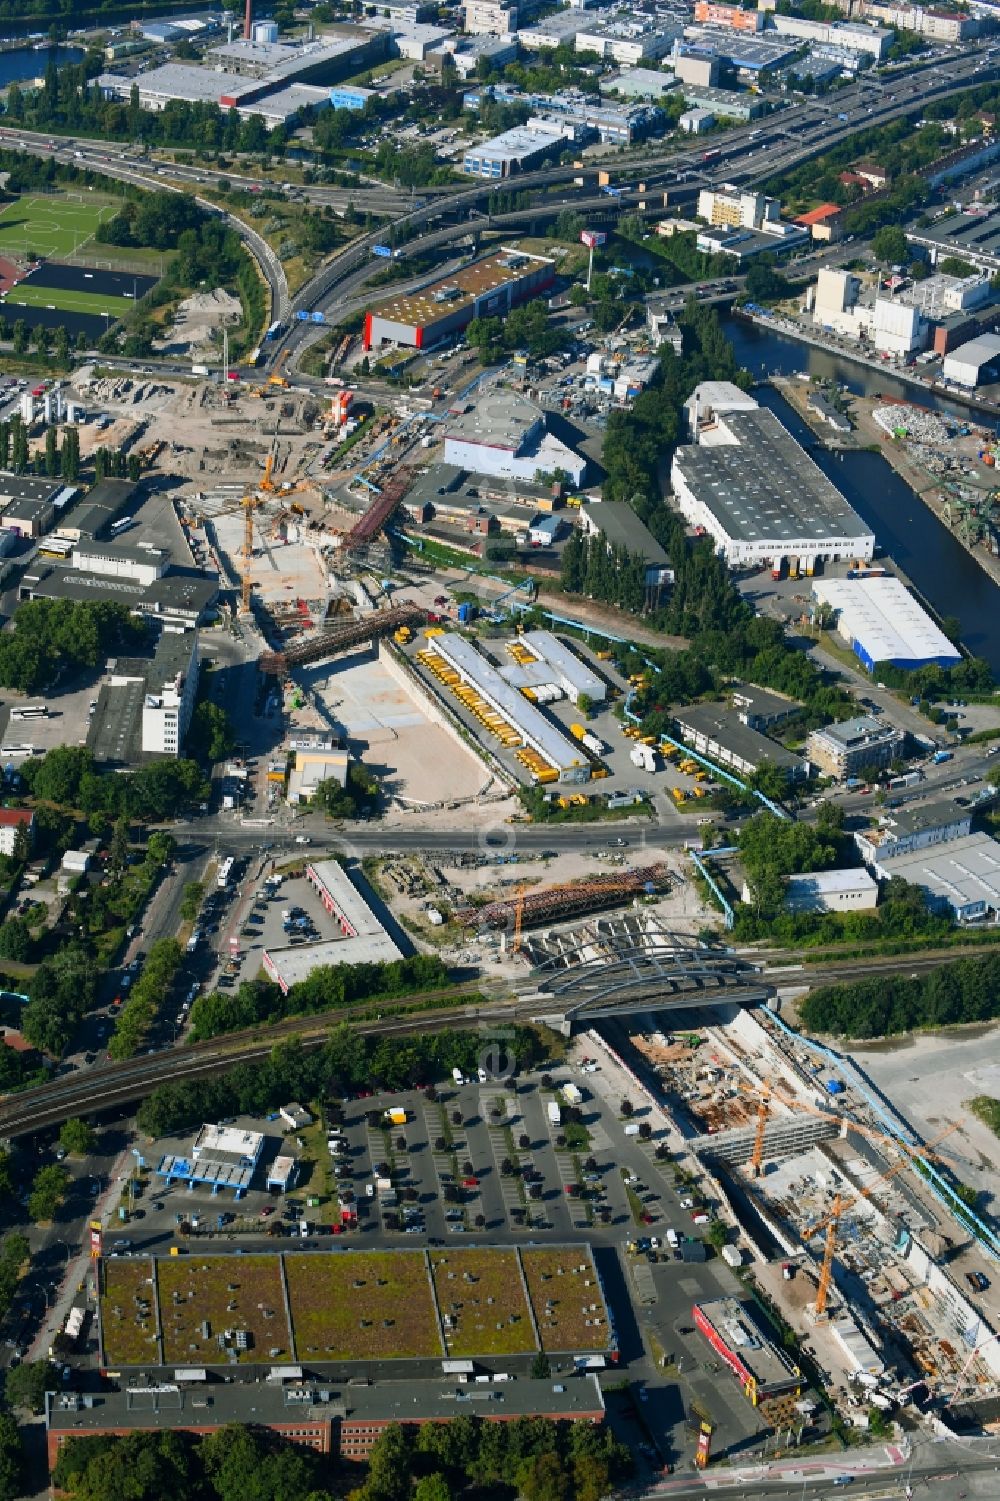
383	250
593	238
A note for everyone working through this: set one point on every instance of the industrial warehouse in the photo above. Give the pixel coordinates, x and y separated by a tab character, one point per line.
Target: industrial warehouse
882	622
748	484
488	288
363	938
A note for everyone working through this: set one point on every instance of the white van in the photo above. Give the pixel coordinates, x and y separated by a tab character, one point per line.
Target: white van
672	1238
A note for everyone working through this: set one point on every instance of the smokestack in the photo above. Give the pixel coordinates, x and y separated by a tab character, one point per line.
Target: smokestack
248	21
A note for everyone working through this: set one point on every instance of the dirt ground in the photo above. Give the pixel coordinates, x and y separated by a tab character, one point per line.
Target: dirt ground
196	320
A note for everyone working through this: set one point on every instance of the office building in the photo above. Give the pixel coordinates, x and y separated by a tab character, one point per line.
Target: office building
488	288
750	486
905	831
363	939
350	96
853	747
725	104
119	560
961	875
504	435
492	17
627	42
872	40
759	708
553	31
882	622
753	57
145	704
179	600
334	1418
515	149
717	731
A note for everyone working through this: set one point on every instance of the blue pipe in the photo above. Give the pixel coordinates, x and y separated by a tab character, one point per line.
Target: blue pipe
715	888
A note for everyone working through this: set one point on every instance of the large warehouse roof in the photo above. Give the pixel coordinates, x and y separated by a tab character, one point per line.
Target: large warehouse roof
474	669
964	872
976	352
565	662
884	622
762	485
459	289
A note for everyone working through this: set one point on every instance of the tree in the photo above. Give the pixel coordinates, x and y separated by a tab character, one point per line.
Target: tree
433	1487
26	1385
541	1370
11	1459
48	1189
16	941
71	455
889	245
524	1141
543	1478
51	452
627	1109
77	1137
718	1235
645	1130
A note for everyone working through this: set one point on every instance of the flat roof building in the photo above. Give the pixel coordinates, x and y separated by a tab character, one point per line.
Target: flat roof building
334	1418
488	288
505	435
733	1331
639	83
519	147
628	42
538	733
178	601
364	941
918	827
717	731
831	891
970	364
622	529
854	745
220	1157
559	664
750	486
144	709
882	622
962	874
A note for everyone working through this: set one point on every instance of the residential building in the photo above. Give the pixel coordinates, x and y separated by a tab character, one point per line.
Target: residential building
734	207
752	488
662	324
733	16
505	435
854	746
825	223
882	622
920	826
717	731
491	17
12	821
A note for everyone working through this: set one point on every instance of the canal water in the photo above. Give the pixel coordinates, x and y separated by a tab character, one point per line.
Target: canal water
905	529
24	62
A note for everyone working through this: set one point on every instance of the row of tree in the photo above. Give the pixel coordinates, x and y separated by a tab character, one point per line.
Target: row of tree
145	999
346	1063
69	777
967	990
329	988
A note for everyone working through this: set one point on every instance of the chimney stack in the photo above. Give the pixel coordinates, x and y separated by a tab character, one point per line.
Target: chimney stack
248	21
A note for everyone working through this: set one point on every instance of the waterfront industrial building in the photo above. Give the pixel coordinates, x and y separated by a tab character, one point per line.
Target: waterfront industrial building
853	746
974	362
364	940
488	288
882	622
748	484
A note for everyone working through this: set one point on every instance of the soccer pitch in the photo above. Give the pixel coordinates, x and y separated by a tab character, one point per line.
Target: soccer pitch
51	224
66	301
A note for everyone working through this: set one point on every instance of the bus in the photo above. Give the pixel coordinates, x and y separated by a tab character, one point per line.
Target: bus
225	873
117	527
30	711
277	327
56	547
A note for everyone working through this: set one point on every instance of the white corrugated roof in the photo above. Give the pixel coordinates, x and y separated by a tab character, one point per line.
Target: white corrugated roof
883	617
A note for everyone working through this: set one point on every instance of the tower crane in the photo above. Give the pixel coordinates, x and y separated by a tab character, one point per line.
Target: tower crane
763	1111
840	1206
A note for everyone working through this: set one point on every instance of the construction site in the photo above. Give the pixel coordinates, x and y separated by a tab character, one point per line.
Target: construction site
854	1236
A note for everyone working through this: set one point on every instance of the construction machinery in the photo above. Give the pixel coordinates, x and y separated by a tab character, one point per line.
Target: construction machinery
763	1111
829	1222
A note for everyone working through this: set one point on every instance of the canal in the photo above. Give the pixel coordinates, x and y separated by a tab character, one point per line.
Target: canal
905	529
25	62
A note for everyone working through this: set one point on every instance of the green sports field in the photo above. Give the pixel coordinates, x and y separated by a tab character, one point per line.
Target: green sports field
67	301
52	224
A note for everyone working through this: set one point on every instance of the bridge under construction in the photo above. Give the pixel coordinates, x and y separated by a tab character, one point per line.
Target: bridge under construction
367	627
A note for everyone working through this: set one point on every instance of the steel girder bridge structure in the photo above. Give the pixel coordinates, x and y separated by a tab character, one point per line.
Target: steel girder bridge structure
611	971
